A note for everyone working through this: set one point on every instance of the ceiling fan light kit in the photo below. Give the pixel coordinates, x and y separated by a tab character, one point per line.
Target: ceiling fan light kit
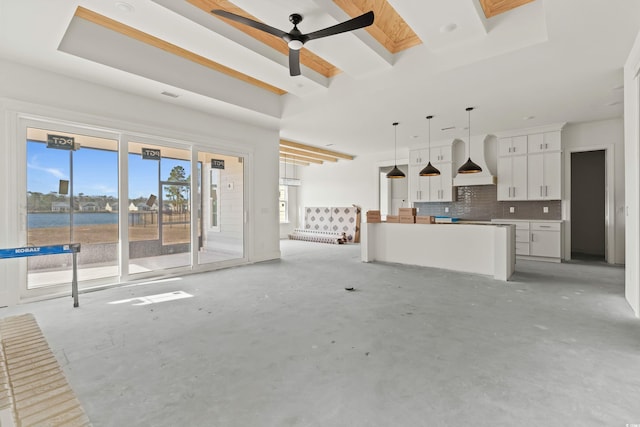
295	39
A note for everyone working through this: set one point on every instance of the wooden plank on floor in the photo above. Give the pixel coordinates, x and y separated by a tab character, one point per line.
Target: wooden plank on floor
33	388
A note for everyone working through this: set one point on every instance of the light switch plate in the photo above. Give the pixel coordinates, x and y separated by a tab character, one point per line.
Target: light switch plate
446	209
545	209
512	209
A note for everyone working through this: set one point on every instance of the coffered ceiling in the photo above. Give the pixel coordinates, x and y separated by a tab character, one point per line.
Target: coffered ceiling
521	63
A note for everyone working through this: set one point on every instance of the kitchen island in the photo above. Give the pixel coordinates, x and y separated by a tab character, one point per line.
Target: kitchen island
487	249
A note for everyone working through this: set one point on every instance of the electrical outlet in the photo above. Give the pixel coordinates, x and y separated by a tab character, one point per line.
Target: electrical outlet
512	209
446	210
545	209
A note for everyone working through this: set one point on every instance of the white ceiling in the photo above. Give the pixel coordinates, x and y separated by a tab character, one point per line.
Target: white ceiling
553	60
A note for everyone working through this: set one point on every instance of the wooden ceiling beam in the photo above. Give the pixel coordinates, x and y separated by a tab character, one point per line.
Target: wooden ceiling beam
285	143
156	42
496	7
294	162
308	154
304	159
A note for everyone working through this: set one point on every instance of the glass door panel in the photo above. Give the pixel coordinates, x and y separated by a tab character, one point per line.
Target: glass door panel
220	207
72	197
159	207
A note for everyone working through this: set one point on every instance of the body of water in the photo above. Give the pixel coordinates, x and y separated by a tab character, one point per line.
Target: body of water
61	219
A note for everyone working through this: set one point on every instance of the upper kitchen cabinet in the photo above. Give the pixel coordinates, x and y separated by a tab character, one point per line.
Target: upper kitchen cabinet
544	176
512	146
512	177
440	154
431	188
543	142
530	164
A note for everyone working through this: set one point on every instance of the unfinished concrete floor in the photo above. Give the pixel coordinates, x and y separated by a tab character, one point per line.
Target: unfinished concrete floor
283	344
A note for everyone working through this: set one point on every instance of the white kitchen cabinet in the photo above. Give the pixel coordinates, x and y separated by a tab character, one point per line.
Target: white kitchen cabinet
441	186
537	240
512	178
512	146
544	176
418	157
545	240
431	188
418	185
439	154
544	142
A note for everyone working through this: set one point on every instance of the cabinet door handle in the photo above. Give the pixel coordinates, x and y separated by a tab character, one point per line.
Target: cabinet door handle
541	191
532	237
541	146
544	226
546	190
514	191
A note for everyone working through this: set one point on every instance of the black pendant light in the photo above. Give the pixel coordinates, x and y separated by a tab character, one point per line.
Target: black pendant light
395	172
469	166
429	170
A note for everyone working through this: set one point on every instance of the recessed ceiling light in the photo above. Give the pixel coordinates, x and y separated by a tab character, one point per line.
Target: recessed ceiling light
448	28
528	117
124	6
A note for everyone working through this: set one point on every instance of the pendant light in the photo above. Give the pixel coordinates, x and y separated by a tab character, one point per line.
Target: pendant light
429	170
469	166
395	172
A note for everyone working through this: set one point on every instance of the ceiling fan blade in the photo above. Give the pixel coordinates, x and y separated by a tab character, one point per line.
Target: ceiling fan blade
350	25
250	22
294	62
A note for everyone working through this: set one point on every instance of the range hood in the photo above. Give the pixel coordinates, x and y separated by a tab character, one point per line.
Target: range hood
483	148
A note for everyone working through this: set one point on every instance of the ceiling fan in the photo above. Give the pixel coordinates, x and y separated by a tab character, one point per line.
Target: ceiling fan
294	38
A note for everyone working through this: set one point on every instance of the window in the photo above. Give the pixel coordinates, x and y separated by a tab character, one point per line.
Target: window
284	203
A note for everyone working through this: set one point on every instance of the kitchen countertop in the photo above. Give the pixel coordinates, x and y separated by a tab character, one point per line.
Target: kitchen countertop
524	220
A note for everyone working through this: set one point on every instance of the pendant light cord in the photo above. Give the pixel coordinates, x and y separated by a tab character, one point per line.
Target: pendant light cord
395	144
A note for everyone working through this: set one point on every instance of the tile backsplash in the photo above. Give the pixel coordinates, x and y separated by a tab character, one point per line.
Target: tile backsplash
480	202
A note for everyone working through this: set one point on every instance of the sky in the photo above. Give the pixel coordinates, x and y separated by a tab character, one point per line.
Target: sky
95	171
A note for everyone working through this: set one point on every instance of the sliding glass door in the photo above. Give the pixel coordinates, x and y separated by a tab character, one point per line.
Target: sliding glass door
72	197
220	207
159	207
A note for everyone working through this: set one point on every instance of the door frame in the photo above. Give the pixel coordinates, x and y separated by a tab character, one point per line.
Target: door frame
609	195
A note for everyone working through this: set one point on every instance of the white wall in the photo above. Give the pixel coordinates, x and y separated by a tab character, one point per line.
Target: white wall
40	93
346	182
597	135
632	176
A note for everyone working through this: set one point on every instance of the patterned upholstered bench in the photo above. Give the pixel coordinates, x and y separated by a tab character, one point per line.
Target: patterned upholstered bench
317	236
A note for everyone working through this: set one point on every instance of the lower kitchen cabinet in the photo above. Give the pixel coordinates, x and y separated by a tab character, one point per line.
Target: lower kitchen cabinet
545	239
537	240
